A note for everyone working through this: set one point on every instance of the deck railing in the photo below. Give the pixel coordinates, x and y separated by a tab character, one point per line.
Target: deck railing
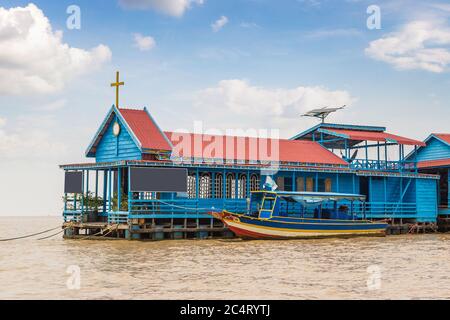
193	208
382	165
183	208
388	210
118	217
73	216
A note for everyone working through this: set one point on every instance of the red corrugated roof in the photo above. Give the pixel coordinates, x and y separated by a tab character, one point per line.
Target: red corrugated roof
375	136
433	163
443	136
145	129
250	149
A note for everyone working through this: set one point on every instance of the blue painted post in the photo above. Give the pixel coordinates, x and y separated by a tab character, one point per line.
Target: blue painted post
353	183
401	196
197	184
385	193
213	185
415	160
224	188
316	187
345	148
385	154
82	192
119	191
294	181
337	182
75	195
130	194
96	185
87	184
105	186
378	155
247	194
448	202
109	190
236	185
367	153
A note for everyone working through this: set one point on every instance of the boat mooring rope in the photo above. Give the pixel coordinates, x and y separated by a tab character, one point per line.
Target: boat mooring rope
110	229
33	234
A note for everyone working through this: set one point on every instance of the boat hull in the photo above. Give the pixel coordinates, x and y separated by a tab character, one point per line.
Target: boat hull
284	228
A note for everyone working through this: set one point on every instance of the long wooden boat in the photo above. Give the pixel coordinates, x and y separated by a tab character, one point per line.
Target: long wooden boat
292	215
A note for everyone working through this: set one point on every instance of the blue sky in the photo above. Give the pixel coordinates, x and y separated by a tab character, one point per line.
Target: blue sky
271	61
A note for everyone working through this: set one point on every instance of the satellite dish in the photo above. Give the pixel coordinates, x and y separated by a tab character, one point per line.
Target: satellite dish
322	113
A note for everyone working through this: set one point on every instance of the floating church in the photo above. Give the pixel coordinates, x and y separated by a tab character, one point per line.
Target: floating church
146	183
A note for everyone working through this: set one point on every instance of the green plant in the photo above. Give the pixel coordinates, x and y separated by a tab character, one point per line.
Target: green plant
123	202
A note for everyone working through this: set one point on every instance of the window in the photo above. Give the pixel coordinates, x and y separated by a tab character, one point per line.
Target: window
231	186
242	186
254	182
280	183
268	204
192	186
324	185
309	184
300	184
205	186
328	185
219	186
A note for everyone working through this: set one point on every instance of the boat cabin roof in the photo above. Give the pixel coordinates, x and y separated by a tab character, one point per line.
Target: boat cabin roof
294	196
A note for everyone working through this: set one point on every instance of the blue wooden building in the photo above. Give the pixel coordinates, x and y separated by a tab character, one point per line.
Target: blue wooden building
328	157
434	158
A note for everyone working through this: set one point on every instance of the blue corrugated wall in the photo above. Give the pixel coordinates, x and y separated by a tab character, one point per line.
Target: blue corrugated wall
426	193
112	148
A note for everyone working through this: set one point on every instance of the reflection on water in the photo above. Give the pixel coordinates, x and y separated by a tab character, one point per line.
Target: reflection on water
401	267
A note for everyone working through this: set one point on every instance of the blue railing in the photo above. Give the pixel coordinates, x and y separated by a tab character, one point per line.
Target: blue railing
73	216
363	164
118	217
389	210
183	208
192	208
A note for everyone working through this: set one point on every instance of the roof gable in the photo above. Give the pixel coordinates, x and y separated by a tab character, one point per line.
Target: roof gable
141	127
437	147
444	137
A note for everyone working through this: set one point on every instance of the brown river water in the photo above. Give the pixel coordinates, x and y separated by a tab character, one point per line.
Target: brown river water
394	267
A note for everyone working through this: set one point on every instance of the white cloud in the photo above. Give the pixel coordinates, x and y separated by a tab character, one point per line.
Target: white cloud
219	23
33	57
175	8
417	45
29	137
232	103
144	43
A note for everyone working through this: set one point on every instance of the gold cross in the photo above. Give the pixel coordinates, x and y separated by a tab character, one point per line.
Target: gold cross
117	84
